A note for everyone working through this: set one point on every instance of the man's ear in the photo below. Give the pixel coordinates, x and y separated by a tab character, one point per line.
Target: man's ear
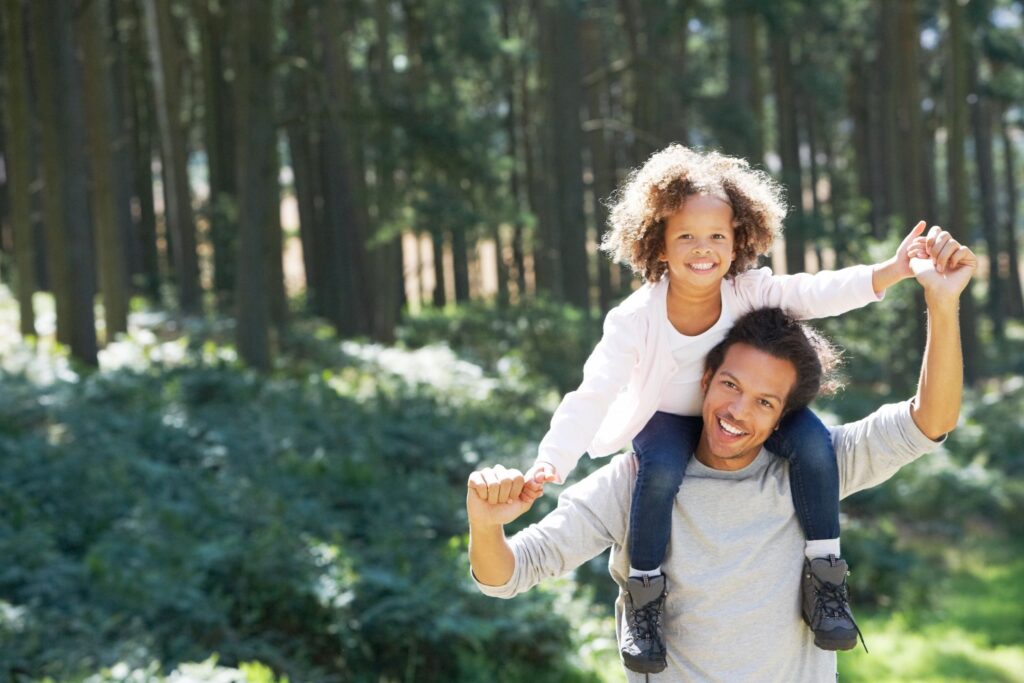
705	381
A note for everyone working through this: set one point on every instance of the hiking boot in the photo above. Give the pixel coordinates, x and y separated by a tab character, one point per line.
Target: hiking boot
642	645
826	604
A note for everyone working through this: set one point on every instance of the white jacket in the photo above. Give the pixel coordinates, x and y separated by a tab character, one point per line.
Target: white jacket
624	377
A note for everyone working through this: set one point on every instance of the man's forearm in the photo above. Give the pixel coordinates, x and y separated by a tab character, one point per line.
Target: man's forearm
490	556
937	404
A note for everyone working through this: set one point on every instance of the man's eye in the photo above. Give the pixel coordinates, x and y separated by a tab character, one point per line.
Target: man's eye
765	403
728	384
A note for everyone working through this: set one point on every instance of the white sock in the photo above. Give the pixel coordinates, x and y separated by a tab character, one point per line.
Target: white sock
821	548
635	573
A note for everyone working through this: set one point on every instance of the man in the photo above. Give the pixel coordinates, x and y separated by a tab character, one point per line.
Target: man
734	612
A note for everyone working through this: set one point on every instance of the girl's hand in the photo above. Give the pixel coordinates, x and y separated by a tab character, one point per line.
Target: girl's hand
533	487
904	251
897	268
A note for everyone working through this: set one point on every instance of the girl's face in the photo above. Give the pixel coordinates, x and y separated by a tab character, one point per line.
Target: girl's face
699	247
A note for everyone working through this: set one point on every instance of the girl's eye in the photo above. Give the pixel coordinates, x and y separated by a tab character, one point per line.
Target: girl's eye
685	236
718	236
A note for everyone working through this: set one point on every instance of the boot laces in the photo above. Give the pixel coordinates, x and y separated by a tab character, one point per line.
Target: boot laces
833	600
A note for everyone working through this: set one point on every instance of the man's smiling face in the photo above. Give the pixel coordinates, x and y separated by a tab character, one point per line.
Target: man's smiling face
743	402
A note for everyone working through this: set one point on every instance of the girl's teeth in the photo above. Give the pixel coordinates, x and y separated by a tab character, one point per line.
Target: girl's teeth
702	266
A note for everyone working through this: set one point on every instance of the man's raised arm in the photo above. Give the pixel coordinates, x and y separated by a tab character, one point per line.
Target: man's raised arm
944	268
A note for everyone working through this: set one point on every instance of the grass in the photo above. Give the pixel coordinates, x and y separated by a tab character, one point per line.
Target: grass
974	631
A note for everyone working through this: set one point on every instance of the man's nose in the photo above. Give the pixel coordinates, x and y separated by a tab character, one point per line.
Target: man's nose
740	408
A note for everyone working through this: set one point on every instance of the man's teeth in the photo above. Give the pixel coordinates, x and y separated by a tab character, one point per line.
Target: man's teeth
729	429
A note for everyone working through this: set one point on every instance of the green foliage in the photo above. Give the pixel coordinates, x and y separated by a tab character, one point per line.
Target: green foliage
314	524
543	340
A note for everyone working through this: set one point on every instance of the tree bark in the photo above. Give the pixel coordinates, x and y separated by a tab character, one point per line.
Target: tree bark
219	138
165	67
564	107
53	151
146	269
1015	298
386	251
18	160
256	182
602	168
70	133
100	117
957	170
981	124
789	150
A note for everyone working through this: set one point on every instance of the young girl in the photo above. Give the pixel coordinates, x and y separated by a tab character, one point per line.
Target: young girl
692	225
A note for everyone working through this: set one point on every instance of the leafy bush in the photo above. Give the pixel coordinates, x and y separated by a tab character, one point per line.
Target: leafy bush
312	522
550	340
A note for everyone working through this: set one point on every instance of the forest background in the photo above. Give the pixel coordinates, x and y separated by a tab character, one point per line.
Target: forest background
278	274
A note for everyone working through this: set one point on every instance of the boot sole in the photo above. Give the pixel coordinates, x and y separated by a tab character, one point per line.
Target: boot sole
643	666
833	644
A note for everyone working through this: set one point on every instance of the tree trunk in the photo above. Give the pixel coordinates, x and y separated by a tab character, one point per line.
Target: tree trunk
981	123
957	170
91	25
257	183
121	144
386	252
18	161
78	260
1015	296
53	151
146	270
602	170
540	163
344	180
564	106
745	91
300	128
789	149
219	137
164	62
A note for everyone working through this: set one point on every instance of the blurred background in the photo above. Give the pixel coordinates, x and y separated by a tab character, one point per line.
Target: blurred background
278	274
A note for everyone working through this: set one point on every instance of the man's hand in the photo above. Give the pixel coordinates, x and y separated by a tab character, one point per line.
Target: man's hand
897	268
942	265
494	496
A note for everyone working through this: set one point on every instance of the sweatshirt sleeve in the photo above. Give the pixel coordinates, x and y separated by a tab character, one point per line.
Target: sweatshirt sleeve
580	413
872	450
807	295
591	516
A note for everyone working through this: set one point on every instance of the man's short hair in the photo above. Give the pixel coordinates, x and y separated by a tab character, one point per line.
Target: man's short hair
774	332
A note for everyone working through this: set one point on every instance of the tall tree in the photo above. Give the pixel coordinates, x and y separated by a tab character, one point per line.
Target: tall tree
981	125
53	168
18	160
257	182
564	102
788	142
165	71
957	171
101	120
219	141
144	264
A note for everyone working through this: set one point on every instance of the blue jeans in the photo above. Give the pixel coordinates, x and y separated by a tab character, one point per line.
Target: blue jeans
664	447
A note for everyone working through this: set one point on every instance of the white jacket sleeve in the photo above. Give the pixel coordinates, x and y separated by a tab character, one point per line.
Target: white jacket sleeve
806	295
607	371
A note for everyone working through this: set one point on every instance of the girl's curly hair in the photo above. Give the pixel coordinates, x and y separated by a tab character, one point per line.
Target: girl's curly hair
658	189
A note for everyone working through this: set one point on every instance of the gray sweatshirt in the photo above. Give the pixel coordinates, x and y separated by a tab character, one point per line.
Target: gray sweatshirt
734	558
